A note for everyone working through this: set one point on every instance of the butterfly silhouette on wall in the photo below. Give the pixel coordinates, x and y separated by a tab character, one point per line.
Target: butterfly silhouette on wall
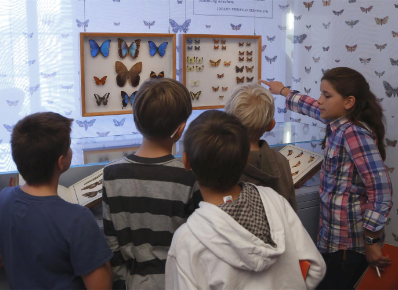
180	28
67	87
263	48
308	26
103	134
390	91
351	48
271	39
133	75
95	48
30	62
296	80
282	110
379	74
326	2
297	38
271	60
338	13
12	103
116	23
236	27
316	60
325	71
381	21
308	48
68	113
85	123
64	35
365	60
325	48
33	89
124	49
283	7
84	24
126	99
297	17
393	61
120	123
307	91
149	23
308	5
103	100
28	35
9	127
47	76
351	23
391	143
283	28
100	81
161	49
394	34
307	70
326	26
366	10
381	46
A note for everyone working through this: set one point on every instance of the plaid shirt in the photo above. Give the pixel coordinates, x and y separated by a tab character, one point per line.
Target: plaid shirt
355	189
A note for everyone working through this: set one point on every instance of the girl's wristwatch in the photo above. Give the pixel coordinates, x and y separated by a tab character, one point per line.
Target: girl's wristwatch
371	241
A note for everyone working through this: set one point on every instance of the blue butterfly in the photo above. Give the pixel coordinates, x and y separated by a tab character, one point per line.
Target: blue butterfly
126	98
85	124
236	27
282	110
94	48
189	41
119	123
80	24
12	103
124	49
190	47
161	49
9	127
181	28
68	113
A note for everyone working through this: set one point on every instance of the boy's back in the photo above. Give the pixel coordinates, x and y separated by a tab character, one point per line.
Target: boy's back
45	241
145	201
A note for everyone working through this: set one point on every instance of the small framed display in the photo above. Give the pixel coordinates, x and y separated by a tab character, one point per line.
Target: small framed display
213	65
114	65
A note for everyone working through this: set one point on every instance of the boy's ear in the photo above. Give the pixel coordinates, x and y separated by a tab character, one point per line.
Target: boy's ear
349	103
271	126
60	163
185	161
179	132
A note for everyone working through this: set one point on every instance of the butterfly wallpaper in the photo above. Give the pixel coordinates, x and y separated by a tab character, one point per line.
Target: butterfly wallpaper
300	40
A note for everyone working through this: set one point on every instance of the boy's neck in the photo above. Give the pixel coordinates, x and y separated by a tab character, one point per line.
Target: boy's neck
255	145
216	198
155	148
42	190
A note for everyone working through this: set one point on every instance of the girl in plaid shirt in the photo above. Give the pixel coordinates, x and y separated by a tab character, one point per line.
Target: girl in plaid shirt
355	189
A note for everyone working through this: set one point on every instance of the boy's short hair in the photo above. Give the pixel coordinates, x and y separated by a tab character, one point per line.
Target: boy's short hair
37	142
217	147
160	106
254	106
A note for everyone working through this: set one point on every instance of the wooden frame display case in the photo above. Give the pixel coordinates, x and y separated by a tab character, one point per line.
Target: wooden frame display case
120	63
213	65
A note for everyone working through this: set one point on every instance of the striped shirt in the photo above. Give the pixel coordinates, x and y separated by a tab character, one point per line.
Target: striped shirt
355	189
145	200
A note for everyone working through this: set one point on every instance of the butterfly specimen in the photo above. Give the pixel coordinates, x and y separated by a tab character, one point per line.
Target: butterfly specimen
153	75
195	95
47	76
380	46
248	43
290	152
297	38
28	35
249	69
307	91
297	17
224	47
325	71
263	47
364	60
394	34
216	47
149	23
189	41
199	68
119	123
283	28
308	48
337	60
249	59
9	127
271	60
216	41
197	47
190	47
241	53
241	43
391	170
84	24
326	26
308	5
103	134
338	13
351	48
282	110
100	81
271	39
307	70
224	89
227	63
379	74
249	80
208	26
236	27
313	145
195	83
308	26
85	123
126	99
239	69
249	52
103	100
240	80
133	75
390	91
190	59
296	80
215	63
182	28
325	48
316	60
197	41
12	103
190	68
381	21
153	49
351	23
215	89
311	158
326	2
301	154
366	10
241	58
393	62
124	49
33	89
220	76
95	48
380	100
297	164
221	97
390	143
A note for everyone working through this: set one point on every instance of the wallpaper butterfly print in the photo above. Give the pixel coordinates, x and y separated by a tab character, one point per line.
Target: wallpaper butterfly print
9	127
308	5
393	61
338	13
120	123
67	87
82	24
12	103
47	76
271	39
307	70
390	91
149	23
85	123
283	7
271	60
116	23
381	46
236	27
103	134
351	23
366	10
33	89
30	62
180	28
28	35
381	21
297	38
379	74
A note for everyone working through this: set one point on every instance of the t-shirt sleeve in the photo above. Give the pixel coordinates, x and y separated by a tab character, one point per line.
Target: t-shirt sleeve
88	247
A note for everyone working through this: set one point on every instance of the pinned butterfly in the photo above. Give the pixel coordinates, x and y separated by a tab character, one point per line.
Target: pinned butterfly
95	48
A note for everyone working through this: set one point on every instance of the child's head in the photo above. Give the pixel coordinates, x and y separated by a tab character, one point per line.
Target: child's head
254	106
360	103
160	107
216	147
37	143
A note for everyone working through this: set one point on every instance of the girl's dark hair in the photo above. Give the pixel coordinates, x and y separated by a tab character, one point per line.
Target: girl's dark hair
348	82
